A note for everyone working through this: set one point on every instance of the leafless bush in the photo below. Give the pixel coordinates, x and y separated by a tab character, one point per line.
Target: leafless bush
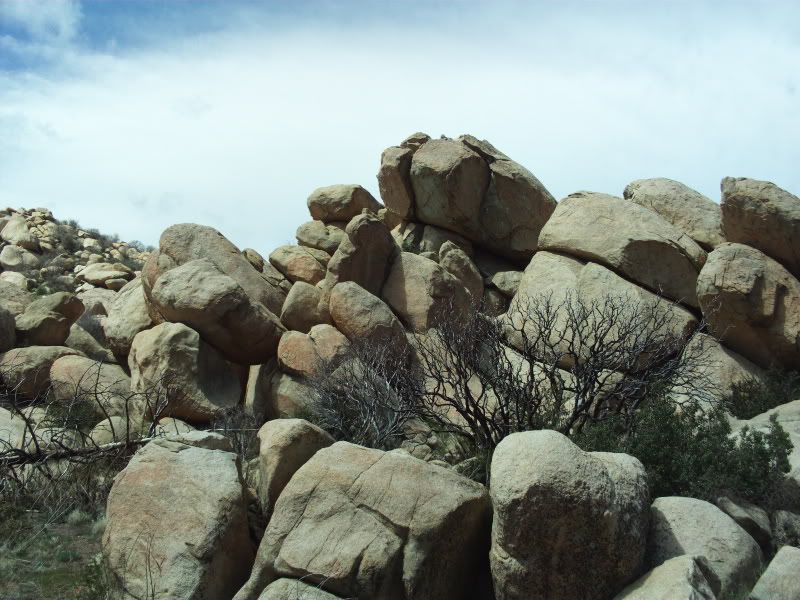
545	365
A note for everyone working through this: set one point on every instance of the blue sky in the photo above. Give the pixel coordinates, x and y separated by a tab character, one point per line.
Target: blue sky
133	115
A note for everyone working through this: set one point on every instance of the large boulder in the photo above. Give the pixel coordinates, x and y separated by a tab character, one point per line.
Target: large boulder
468	187
322	236
201	296
362	523
100	274
420	291
762	215
688	210
300	264
127	316
752	304
304	307
285	446
340	202
198	382
177	522
27	370
363	256
681	526
629	239
568	284
81	340
394	182
456	262
104	390
14	298
257	389
362	316
15	258
294	589
311	354
47	320
559	511
184	242
780	580
289	397
680	578
17	233
419	238
753	519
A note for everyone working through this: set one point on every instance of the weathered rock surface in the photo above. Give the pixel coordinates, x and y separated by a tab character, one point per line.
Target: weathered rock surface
13	298
688	210
257	390
689	526
762	215
420	291
780	580
285	446
304	308
199	383
47	320
559	511
456	262
362	316
394	181
752	304
629	239
307	355
184	242
753	519
468	187
7	330
340	202
294	589
17	233
788	416
785	528
289	397
177	523
127	316
322	236
370	524
299	264
679	578
101	389
27	370
101	274
199	295
14	258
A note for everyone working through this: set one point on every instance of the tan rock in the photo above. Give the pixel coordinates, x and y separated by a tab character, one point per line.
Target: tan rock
762	215
394	181
289	397
15	258
752	304
192	541
294	589
304	308
200	385
297	264
198	294
104	390
691	212
254	258
127	316
17	233
100	274
322	236
47	320
559	510
257	391
456	262
419	290
340	202
13	298
307	355
27	370
360	315
629	239
369	524
679	578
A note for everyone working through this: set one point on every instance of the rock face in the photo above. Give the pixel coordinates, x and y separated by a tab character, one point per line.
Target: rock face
308	355
370	524
285	446
689	526
27	370
300	264
762	215
340	202
47	321
177	523
751	518
419	290
322	236
292	589
691	212
182	243
679	578
199	383
779	581
14	258
13	298
198	294
468	187
559	511
103	389
304	307
456	262
17	233
752	304
629	239
100	274
127	316
361	316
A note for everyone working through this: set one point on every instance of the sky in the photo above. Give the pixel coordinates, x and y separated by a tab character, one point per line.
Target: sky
130	116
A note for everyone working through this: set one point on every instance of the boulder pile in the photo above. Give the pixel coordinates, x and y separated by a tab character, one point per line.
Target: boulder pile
173	339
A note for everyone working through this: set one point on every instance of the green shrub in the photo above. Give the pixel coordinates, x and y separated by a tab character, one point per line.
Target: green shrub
688	453
755	396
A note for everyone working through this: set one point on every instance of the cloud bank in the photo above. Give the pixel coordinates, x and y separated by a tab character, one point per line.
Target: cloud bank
233	121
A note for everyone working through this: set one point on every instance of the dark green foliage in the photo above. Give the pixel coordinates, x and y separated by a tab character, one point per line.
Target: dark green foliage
691	453
756	396
68	236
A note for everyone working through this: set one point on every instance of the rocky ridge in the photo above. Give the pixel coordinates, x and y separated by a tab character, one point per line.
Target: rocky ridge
175	338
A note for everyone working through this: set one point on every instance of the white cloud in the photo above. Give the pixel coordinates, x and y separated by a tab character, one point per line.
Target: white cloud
235	129
47	20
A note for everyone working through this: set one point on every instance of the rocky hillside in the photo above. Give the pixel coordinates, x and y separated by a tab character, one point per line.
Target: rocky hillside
164	354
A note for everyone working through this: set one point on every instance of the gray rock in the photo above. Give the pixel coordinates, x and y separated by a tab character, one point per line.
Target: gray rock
304	308
322	236
680	578
47	320
340	202
127	316
780	580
